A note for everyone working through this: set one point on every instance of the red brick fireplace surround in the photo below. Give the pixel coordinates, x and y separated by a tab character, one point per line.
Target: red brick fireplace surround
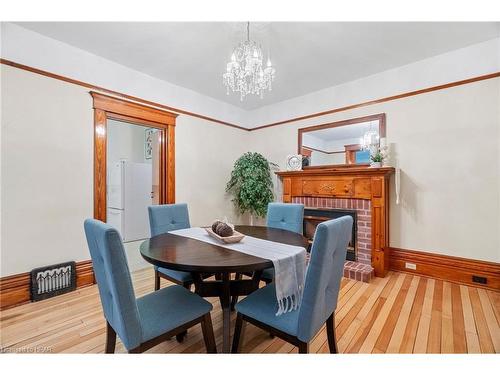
361	269
358	188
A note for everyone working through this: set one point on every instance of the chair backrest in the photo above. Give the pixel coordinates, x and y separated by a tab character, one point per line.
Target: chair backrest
114	282
166	217
324	273
287	216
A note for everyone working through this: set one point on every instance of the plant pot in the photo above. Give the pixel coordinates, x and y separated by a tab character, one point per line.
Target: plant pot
375	164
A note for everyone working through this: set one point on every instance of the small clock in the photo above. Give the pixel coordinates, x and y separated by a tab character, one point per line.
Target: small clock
294	163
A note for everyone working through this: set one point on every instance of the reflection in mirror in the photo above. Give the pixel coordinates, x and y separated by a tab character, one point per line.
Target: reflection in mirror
344	142
133	166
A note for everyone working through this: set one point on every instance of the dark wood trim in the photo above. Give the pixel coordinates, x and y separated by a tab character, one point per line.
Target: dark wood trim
124	108
169	186
338	169
108	107
445	267
351	121
188	113
100	157
116	93
382	100
354	147
84	273
15	289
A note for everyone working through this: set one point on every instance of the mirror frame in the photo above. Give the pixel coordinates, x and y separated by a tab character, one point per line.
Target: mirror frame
381	129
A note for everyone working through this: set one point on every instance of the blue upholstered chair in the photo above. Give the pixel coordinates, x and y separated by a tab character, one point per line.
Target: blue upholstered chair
287	216
162	219
146	321
321	290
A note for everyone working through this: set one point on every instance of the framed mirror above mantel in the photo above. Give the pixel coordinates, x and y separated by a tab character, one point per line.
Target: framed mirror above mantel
341	144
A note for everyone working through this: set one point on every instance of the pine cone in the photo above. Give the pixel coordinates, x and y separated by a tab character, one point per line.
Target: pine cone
214	225
224	230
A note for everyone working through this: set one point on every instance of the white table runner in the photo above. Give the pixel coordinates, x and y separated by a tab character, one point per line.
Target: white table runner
289	263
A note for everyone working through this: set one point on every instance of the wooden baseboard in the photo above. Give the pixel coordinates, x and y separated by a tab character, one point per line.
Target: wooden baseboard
448	268
15	289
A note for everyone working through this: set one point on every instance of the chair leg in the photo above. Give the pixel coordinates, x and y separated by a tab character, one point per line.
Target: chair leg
208	334
330	331
135	350
303	348
234	299
110	339
180	336
239	329
157	280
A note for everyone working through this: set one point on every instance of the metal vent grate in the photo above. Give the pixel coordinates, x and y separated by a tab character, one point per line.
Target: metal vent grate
52	280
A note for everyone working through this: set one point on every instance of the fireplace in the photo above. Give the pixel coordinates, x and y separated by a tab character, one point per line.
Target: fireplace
358	258
361	189
314	216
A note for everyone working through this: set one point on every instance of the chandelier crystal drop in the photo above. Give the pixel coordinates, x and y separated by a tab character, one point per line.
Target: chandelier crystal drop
246	73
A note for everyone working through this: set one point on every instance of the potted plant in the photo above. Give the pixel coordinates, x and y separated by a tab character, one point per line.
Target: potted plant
251	184
378	156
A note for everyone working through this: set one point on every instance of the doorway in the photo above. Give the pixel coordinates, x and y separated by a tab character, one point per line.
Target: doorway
134	137
132	177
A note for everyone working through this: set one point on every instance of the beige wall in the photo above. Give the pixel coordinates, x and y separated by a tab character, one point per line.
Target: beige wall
47	170
447	146
205	153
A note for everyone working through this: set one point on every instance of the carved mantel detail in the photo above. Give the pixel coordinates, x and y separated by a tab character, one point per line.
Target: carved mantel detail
353	182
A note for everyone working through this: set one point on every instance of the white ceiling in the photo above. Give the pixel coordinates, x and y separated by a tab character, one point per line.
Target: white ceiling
308	56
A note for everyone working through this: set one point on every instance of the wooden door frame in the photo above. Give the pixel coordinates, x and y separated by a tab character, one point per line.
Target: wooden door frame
109	107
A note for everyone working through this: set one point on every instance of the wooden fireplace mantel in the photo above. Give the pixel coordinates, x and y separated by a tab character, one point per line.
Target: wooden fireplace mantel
353	182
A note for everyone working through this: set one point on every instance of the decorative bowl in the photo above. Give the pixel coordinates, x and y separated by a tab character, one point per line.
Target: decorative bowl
236	237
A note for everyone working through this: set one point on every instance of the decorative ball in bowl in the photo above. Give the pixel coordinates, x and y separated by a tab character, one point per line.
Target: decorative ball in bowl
224	232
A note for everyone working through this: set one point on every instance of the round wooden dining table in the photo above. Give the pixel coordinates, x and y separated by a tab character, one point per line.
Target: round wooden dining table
198	257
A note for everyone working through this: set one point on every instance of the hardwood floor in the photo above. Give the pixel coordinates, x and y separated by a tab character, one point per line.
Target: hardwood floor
401	313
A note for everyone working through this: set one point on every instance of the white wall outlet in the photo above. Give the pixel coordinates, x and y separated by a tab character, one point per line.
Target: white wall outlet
410	266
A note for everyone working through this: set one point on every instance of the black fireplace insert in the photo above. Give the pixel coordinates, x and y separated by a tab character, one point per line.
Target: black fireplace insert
314	216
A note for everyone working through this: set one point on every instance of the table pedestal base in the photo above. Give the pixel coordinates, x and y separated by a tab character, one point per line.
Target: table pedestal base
225	288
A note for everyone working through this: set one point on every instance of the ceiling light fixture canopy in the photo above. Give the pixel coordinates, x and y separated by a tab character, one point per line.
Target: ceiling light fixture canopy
245	73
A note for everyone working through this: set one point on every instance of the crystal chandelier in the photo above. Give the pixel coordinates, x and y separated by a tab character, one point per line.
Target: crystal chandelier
245	73
369	139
